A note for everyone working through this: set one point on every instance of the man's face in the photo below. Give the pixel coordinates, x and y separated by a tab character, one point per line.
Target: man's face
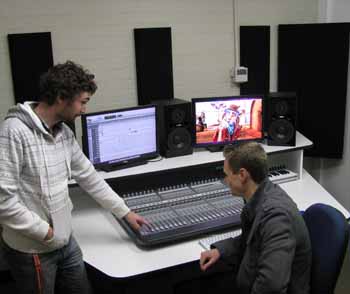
71	109
233	180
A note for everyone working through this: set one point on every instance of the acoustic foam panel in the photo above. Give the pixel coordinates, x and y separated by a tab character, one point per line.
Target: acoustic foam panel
30	56
313	62
154	65
255	55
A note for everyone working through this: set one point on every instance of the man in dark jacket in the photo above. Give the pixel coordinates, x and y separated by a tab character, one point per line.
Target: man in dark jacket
273	253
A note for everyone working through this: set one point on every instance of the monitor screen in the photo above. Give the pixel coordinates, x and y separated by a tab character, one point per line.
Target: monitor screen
120	137
225	120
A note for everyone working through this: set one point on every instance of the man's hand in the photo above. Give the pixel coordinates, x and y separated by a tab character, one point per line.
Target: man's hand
135	220
208	258
49	235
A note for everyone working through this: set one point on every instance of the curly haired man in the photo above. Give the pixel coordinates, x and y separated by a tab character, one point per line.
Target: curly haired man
38	156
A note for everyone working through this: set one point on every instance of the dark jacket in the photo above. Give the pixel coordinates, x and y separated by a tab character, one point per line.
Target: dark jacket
273	254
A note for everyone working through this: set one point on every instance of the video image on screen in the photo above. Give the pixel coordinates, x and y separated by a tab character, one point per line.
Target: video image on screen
220	121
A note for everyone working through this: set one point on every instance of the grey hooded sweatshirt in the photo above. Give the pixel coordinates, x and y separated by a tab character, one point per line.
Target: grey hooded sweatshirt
35	167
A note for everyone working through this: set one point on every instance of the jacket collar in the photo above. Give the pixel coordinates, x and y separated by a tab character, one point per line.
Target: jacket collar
253	206
253	209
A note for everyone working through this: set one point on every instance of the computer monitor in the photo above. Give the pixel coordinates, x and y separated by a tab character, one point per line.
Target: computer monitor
225	120
120	138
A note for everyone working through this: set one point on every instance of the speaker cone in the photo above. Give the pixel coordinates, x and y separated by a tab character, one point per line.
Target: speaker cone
281	130
179	138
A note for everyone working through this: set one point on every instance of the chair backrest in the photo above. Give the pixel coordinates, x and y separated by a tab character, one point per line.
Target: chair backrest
329	235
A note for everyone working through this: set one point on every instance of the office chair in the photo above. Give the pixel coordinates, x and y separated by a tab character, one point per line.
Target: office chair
329	235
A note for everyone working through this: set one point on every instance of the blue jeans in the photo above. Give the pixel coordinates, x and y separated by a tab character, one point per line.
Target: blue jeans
61	271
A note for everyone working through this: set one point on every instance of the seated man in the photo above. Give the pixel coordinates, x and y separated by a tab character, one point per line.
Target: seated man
273	253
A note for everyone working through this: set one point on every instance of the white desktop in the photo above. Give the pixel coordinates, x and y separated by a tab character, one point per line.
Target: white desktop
109	249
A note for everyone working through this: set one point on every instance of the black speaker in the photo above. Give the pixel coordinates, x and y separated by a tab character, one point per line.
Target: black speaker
154	64
280	118
174	127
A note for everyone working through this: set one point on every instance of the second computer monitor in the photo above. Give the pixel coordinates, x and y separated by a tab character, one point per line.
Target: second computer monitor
225	120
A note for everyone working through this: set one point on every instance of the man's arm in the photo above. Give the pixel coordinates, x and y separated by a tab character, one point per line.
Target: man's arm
227	250
86	176
230	249
90	181
277	252
13	213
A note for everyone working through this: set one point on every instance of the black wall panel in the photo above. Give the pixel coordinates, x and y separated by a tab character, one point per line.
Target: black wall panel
313	62
30	56
154	65
255	54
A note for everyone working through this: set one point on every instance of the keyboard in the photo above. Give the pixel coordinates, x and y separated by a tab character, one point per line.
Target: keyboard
206	242
282	175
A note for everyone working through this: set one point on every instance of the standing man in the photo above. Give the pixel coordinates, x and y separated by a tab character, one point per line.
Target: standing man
273	253
38	156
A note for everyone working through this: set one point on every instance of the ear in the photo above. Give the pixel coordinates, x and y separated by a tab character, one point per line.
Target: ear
59	100
244	175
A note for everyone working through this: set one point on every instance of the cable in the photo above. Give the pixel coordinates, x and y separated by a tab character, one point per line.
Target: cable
236	33
38	272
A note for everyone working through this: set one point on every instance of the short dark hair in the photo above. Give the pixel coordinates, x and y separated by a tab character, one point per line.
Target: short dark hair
65	80
248	155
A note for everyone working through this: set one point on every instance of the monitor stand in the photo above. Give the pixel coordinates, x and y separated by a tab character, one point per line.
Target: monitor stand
112	167
215	148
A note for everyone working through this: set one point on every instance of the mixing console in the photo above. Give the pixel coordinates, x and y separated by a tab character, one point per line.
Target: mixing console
187	205
185	210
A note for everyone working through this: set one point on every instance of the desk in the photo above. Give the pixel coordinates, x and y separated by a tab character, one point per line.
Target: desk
108	248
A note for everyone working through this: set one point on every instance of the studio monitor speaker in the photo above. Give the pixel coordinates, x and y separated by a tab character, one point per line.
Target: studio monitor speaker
174	127
280	118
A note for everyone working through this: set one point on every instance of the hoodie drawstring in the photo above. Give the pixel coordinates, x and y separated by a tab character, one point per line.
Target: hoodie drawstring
40	145
40	172
45	163
66	160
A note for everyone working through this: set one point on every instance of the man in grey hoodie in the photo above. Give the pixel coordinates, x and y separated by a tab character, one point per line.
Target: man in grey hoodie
38	156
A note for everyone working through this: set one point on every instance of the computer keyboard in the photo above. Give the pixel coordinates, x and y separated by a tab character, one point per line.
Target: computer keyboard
206	242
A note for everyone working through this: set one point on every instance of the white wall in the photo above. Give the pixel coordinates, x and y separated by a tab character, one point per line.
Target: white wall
99	35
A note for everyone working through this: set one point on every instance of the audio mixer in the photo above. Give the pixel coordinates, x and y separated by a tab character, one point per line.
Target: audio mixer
186	210
184	203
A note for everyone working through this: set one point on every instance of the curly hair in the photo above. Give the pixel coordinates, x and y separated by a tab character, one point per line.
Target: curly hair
66	80
248	155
